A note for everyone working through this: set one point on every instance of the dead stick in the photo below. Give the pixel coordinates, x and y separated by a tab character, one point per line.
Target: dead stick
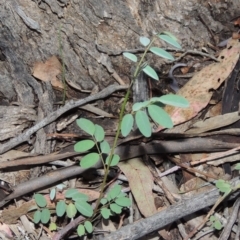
217	155
53	116
171	214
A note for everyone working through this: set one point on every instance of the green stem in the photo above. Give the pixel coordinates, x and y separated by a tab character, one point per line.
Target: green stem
112	150
100	153
137	71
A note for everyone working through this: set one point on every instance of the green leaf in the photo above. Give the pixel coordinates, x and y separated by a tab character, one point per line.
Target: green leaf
52	193
104	146
71	210
61	208
40	200
170	40
84	208
108	198
223	186
80	196
122	194
143	123
71	192
52	226
86	125
80	230
115	160
139	105
160	116
130	56
37	216
161	53
144	41
212	218
123	201
89	160
103	201
45	216
99	133
237	167
170	35
217	225
174	100
127	124
61	186
115	208
115	191
89	227
106	213
83	145
151	72
154	99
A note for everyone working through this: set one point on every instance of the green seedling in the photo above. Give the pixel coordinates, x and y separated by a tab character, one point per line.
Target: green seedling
97	148
42	214
215	223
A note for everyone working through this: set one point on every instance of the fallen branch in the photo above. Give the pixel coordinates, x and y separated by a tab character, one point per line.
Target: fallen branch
171	214
125	152
53	116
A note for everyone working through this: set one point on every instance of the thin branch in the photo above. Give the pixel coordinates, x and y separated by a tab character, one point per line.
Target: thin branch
169	215
53	116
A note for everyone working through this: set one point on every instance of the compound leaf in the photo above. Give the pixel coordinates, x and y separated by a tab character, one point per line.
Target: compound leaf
130	56
170	35
161	53
160	116
144	41
115	160
80	196
61	208
84	208
223	186
71	210
52	226
60	186
127	124
52	193
143	123
103	201
217	225
123	201
71	192
83	145
105	147
40	200
116	208
174	100
80	230
99	133
170	40
89	160
37	216
86	125
151	72
106	213
115	191
139	105
45	216
88	226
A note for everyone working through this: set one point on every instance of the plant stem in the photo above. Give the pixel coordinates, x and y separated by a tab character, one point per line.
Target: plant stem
136	73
